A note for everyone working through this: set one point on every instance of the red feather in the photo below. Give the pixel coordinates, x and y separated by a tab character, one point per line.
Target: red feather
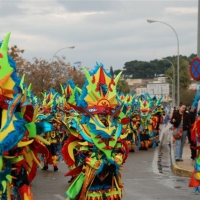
195	131
65	152
74	172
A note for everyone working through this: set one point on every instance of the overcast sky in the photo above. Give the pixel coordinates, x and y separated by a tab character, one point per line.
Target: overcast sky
108	32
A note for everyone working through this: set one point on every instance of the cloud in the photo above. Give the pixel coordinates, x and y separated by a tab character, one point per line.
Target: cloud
181	10
111	32
90	6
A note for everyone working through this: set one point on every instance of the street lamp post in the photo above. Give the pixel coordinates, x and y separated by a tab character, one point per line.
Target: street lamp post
173	82
178	93
71	47
173	90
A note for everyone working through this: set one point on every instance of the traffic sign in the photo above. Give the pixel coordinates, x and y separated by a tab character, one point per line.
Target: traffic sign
195	69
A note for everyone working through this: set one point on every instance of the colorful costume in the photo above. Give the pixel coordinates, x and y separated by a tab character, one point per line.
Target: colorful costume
70	96
128	127
53	137
19	133
145	121
97	147
195	177
195	137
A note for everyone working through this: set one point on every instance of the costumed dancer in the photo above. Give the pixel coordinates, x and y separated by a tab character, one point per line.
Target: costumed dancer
48	113
127	110
135	127
195	137
19	134
70	95
97	146
143	129
195	177
156	120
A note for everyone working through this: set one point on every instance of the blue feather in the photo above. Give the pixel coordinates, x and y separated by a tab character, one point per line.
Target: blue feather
43	127
13	137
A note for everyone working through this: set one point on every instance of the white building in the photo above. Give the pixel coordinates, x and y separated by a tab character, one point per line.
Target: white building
141	90
131	82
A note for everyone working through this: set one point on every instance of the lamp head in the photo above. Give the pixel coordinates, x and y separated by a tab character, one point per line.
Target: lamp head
150	21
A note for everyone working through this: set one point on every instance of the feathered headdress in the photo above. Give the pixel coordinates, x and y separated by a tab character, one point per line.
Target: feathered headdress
99	95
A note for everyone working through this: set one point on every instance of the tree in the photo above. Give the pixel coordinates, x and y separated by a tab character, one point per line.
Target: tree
116	72
187	96
184	73
143	69
191	57
15	53
44	75
123	86
76	75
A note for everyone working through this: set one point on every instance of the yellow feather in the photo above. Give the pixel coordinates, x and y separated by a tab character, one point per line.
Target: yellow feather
35	113
124	135
22	144
83	143
70	149
26	197
9	129
42	140
36	160
9	84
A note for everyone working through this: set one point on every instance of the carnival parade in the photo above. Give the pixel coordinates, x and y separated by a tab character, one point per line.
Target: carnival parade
92	129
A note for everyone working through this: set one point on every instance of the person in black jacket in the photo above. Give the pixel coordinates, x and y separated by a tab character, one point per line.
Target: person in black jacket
181	118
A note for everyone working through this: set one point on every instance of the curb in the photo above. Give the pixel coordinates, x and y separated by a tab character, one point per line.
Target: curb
175	168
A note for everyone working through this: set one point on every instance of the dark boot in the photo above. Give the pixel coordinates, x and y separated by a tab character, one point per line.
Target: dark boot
55	168
45	168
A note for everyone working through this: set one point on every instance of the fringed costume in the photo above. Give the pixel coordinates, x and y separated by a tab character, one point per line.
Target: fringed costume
96	148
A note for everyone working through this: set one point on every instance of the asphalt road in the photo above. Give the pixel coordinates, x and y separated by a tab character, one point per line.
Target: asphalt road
143	179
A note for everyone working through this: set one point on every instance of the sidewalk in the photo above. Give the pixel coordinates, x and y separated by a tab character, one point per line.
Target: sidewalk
185	167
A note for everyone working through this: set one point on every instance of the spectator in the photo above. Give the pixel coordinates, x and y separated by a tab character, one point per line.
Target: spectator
180	120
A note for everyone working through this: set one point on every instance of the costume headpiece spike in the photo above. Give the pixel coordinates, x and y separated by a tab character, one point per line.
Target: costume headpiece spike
118	77
22	82
29	90
100	88
4	46
70	93
5	68
62	89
